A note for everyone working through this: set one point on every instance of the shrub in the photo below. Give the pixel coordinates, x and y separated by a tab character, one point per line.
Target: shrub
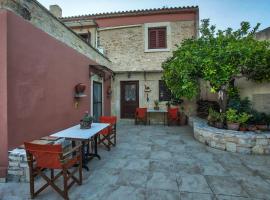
231	115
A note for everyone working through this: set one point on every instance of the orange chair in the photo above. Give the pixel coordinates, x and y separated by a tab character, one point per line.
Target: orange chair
141	115
108	134
49	156
173	116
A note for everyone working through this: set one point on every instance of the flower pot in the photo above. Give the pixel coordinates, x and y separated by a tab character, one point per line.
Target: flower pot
183	120
79	88
85	124
262	127
233	126
211	123
156	108
219	125
252	128
243	128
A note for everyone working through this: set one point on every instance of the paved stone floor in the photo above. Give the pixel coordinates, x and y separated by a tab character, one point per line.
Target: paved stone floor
163	163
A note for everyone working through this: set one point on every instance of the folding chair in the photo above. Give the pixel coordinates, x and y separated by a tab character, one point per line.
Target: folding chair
108	138
141	115
173	116
51	157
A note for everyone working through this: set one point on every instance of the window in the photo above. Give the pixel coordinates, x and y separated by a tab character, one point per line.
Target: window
164	92
157	38
86	37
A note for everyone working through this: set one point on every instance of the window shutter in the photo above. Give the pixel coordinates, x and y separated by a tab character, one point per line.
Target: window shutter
152	38
162	38
157	38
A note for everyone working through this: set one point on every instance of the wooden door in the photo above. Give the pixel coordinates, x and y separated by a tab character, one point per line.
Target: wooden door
129	98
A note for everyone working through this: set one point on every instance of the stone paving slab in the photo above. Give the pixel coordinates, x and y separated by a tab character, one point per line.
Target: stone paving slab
163	163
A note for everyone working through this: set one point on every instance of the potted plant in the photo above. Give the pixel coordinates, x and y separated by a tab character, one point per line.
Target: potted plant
183	116
232	119
220	118
86	122
168	104
242	119
212	117
261	121
156	103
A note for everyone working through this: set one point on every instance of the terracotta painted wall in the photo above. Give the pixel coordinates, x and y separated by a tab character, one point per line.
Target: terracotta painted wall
3	94
41	76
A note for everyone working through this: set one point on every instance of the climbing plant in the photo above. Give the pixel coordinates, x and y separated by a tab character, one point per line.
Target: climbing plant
219	57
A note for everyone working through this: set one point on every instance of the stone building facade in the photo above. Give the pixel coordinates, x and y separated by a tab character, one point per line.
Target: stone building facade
124	37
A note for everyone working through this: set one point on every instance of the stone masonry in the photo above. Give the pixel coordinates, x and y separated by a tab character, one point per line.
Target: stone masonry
234	141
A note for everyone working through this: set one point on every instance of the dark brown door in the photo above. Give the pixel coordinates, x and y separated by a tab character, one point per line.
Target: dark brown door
129	98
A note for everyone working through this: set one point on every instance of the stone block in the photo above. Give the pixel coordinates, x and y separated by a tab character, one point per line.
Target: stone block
262	141
13	164
3	180
243	150
231	147
23	164
217	145
15	158
16	172
258	149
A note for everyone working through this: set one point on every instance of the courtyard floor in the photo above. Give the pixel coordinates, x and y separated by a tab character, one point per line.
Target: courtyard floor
163	163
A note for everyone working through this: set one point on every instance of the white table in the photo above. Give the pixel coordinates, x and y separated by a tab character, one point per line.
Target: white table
75	133
149	110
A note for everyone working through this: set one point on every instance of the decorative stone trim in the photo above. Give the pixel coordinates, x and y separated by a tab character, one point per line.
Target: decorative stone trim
233	141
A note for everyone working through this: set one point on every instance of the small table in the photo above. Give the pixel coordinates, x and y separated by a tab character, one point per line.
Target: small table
157	111
75	133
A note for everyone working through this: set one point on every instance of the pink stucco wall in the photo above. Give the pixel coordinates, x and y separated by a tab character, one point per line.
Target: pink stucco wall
41	76
3	94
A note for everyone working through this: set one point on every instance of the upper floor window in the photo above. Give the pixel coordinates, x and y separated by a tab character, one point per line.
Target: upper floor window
86	37
157	38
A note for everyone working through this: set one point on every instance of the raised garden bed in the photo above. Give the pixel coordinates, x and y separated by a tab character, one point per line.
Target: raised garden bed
247	142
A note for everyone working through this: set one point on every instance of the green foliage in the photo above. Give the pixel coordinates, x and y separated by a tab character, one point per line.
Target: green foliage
156	102
215	116
231	115
241	105
87	117
218	57
243	118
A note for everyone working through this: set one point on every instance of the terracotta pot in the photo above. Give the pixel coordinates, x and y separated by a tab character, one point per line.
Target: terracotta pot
219	125
183	120
79	88
252	128
233	126
210	123
243	128
262	127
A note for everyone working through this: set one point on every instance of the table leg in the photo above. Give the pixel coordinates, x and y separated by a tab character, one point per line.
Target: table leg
84	157
95	154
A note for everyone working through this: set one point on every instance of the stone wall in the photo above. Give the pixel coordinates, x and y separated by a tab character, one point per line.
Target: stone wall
125	46
44	20
233	141
18	170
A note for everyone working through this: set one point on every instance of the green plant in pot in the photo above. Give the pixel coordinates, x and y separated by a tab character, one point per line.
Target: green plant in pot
86	122
156	105
243	119
212	117
261	121
232	119
220	118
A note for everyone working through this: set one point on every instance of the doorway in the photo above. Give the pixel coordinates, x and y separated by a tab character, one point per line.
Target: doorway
129	98
97	100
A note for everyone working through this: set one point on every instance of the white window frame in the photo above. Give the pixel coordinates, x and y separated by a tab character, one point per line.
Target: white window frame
157	25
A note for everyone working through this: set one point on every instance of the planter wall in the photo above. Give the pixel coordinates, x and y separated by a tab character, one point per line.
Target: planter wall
248	142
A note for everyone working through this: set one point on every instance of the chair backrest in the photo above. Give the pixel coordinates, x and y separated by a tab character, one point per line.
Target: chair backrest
141	112
108	119
46	155
173	112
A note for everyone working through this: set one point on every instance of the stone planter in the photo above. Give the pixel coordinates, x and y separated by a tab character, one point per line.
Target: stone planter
252	128
233	126
262	127
183	120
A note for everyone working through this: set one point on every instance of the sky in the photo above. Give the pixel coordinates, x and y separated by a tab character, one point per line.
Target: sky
222	13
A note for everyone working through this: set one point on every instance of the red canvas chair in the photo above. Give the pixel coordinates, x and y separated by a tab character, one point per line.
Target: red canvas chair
108	135
173	116
141	115
51	157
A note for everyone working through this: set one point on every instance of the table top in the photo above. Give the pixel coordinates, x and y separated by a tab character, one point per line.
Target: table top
157	111
75	132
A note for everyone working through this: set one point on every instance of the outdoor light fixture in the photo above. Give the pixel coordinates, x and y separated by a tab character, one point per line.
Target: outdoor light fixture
147	90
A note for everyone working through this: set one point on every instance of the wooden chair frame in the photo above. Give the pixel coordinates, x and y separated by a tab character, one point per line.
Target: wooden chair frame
177	119
109	139
50	181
